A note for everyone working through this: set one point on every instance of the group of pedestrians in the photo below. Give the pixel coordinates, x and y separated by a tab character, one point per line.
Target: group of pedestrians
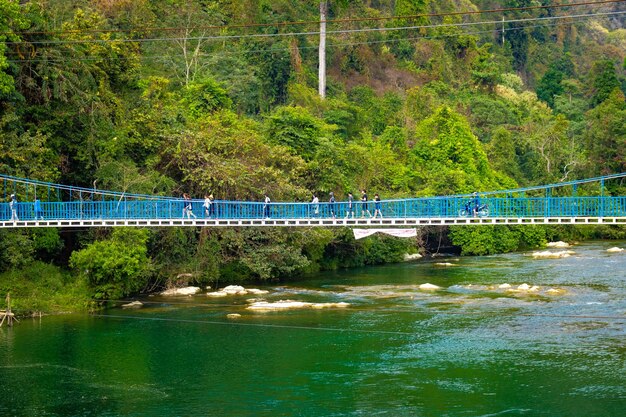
208	206
350	206
14	205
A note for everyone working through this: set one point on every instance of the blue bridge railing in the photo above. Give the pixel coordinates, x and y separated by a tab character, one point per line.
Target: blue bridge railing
435	207
57	202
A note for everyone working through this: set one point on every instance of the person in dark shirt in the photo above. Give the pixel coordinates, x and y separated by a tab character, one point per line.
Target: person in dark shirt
377	206
364	207
350	208
331	204
38	210
476	203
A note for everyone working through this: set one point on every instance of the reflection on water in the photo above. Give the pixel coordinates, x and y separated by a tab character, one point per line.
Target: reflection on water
502	335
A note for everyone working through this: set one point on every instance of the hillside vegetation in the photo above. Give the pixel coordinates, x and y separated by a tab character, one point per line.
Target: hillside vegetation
220	96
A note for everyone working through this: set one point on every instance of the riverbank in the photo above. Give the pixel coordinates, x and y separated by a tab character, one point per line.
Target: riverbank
41	288
44	288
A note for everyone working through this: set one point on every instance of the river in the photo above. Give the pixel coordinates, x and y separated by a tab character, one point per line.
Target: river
471	348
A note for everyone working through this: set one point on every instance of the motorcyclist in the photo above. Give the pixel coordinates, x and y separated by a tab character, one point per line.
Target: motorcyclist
476	203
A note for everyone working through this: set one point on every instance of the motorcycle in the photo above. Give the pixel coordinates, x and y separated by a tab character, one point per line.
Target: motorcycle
468	210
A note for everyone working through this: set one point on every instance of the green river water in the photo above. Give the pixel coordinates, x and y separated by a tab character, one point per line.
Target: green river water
468	349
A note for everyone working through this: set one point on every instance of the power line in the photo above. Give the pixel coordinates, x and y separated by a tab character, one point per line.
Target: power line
302	48
311	33
330	21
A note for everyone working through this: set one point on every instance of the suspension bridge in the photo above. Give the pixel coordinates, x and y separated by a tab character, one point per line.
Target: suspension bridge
32	203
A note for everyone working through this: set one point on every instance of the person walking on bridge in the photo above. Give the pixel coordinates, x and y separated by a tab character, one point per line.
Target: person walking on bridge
266	207
38	210
208	206
188	208
331	204
364	208
476	203
377	206
315	206
13	206
350	208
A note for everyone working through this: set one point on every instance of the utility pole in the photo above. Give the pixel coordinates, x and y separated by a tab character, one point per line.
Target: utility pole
322	49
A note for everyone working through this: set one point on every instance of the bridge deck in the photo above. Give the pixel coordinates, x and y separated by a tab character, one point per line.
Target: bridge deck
358	222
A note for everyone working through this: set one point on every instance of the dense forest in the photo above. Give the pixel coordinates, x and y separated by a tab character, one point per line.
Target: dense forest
169	97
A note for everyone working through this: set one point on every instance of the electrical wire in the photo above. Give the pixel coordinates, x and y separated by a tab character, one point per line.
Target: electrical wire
329	45
328	21
309	33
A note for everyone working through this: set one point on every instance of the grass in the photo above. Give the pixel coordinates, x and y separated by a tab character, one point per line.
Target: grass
43	288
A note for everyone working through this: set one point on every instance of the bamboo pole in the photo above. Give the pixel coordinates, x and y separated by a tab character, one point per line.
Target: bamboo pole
7	314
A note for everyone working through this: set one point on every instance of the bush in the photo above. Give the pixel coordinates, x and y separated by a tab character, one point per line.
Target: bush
40	287
116	267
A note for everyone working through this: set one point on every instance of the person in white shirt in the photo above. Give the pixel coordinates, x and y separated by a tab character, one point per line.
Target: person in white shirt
315	205
13	206
266	207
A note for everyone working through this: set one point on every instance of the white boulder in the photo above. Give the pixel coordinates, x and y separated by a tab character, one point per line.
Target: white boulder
134	304
412	256
256	291
234	289
217	294
291	304
329	305
552	255
504	286
615	250
181	291
278	305
233	316
429	287
558	244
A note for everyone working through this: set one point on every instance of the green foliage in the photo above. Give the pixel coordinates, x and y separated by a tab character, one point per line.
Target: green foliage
16	249
605	135
226	155
487	240
40	287
344	252
295	128
262	254
451	158
273	65
377	112
603	81
25	153
243	85
489	114
12	19
550	86
204	97
115	267
47	243
484	73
